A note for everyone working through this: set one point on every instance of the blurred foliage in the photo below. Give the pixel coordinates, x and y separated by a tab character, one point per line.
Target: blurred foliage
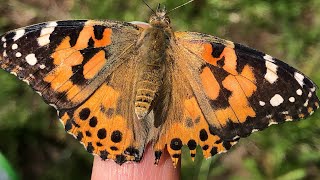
37	146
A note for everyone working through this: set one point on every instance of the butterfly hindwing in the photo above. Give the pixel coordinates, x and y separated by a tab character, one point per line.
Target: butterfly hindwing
185	124
106	123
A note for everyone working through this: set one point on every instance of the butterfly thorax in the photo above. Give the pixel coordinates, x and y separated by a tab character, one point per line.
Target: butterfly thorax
152	47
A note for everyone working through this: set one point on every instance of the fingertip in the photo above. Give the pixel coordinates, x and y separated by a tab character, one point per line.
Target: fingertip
145	169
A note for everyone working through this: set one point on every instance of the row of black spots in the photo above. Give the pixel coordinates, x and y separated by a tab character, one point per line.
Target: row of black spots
84	115
203	136
120	159
116	135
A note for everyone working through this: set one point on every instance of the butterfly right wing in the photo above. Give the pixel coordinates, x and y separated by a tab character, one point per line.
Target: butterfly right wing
223	91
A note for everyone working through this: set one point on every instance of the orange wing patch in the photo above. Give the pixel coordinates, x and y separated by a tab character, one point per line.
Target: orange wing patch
209	83
94	65
67	56
228	54
99	128
241	88
241	85
192	130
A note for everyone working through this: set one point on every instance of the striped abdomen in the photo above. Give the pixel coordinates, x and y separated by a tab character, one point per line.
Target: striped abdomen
148	85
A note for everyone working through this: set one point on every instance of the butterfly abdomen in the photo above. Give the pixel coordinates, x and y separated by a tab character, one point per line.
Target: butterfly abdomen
151	70
148	86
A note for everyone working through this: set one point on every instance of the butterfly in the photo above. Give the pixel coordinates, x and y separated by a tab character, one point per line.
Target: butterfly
118	86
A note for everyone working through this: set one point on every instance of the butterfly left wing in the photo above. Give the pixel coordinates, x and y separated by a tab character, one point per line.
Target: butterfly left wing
230	91
86	70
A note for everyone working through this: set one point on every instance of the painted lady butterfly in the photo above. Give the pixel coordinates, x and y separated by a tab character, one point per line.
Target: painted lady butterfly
118	86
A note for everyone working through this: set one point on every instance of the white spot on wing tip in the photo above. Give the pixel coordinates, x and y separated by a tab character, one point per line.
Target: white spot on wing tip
276	100
45	33
254	130
3	39
272	123
268	58
299	92
26	81
236	137
222	152
18	54
52	24
53	105
13	73
42	66
271	74
292	99
4	45
31	59
14	46
313	89
4	54
306	103
19	34
39	93
299	78
262	103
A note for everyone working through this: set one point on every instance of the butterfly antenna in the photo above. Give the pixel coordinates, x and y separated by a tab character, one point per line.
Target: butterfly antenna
180	6
148	6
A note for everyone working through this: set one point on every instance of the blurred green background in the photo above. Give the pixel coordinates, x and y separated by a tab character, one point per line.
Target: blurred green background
34	142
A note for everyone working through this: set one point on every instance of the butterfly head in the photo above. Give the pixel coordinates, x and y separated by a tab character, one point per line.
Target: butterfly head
160	18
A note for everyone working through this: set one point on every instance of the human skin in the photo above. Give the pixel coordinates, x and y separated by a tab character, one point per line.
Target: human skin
144	170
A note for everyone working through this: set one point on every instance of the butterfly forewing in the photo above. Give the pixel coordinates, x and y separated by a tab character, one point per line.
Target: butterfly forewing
66	61
247	90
